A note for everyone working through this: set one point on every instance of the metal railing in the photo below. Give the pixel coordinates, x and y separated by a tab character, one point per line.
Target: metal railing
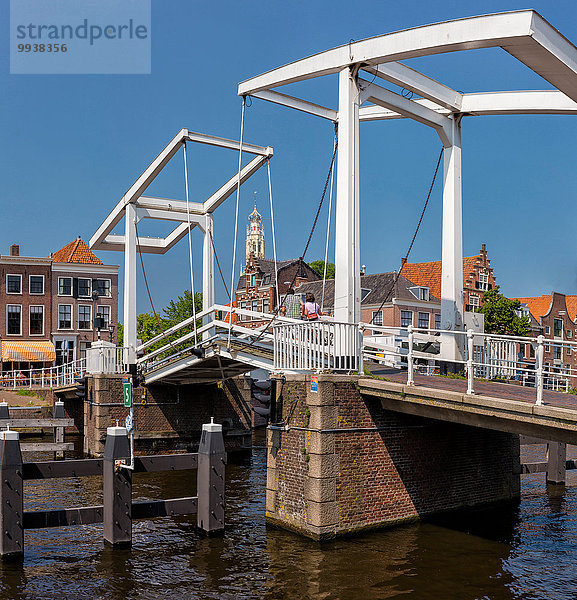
48	377
484	356
317	346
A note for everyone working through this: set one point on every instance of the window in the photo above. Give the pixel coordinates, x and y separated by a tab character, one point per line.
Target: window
104	312
547	330
556	352
473	302
82	347
84	316
558	328
64	351
266	306
102	286
84	288
377	320
568	332
420	293
423	320
36	324
64	316
568	350
364	293
547	348
437	321
255	305
406	318
14	319
243	305
483	281
36	284
65	286
14	284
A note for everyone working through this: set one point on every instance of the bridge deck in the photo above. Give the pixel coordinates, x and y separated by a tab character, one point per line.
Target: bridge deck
500	406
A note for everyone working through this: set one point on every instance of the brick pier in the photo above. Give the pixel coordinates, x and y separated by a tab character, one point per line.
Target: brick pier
168	417
346	464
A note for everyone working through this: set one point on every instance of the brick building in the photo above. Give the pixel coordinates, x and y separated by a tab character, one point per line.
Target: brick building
82	288
405	304
256	288
47	305
478	277
553	316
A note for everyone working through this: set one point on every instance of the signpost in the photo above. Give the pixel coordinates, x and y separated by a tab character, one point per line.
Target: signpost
127	387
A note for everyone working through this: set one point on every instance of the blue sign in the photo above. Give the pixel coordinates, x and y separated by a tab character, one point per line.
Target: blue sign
314	383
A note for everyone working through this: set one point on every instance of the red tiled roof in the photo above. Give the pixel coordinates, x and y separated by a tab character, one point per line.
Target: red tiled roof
76	252
428	274
538	305
571	302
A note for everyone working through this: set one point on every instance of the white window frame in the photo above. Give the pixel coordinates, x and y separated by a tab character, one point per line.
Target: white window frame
108	308
71	287
374	313
406	311
30	319
476	299
109	295
30	285
20	307
483	281
437	317
71	317
428	320
89	287
89	307
14	275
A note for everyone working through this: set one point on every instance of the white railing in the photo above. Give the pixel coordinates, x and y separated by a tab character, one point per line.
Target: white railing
57	376
317	346
485	356
107	359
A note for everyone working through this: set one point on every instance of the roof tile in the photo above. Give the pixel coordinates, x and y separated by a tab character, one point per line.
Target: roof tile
76	252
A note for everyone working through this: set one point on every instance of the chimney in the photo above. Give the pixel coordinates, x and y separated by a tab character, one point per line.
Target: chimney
363	269
483	249
14	250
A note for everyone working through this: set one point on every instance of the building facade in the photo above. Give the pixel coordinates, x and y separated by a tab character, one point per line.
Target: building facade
257	284
478	277
48	306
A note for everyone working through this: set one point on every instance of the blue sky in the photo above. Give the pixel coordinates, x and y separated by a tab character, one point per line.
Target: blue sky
71	145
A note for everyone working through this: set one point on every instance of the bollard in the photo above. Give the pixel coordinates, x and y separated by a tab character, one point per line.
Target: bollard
4	411
117	489
58	413
11	496
210	479
556	462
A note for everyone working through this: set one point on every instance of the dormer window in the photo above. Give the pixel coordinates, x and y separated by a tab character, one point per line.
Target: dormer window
364	293
420	293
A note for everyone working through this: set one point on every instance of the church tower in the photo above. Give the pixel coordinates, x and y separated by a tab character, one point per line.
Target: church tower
255	234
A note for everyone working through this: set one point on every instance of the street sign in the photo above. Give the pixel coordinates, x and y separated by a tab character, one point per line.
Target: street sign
127	387
128	423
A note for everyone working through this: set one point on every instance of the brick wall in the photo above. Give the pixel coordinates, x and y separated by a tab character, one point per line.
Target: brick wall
324	479
168	418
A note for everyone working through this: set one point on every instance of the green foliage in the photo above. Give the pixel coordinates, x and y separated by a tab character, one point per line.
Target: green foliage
500	316
25	393
120	335
318	266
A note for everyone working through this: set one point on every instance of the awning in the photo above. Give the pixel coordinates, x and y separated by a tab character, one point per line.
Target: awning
28	352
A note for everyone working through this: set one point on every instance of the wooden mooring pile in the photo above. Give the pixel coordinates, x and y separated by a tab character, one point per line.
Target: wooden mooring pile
118	510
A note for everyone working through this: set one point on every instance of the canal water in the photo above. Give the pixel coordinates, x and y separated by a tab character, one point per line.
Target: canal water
527	552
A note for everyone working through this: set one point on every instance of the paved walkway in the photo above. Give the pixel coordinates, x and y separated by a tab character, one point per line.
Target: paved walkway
508	391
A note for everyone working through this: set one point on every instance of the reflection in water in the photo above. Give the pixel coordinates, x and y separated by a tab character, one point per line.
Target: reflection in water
523	552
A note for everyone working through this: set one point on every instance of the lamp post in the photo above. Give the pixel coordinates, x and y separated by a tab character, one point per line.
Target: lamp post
111	330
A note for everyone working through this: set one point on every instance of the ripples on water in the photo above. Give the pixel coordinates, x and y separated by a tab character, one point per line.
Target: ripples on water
527	552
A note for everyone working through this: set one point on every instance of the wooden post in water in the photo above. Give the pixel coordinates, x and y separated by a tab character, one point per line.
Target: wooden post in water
58	413
11	500
210	479
556	462
117	488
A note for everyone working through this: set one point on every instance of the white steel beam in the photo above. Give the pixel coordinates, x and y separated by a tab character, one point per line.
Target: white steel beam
137	188
487	31
212	140
530	102
168	215
170	204
298	104
130	283
212	203
409	79
347	236
452	316
146	245
208	298
418	112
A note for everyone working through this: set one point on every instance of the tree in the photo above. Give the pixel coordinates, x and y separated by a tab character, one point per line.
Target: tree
500	315
318	266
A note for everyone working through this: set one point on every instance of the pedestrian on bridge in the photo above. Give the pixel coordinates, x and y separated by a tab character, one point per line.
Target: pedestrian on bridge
293	306
312	309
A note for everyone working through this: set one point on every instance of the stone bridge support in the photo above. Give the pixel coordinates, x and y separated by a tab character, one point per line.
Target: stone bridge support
346	464
168	418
